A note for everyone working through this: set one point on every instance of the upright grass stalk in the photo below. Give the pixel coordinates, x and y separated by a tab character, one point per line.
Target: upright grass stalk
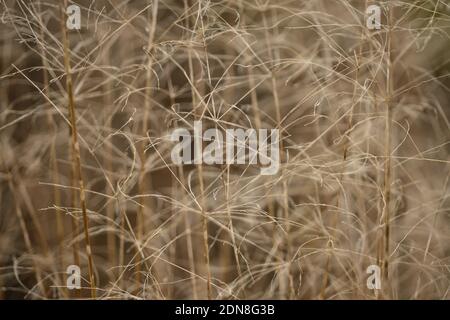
76	148
180	190
200	166
189	242
388	134
205	230
226	178
145	180
285	201
53	161
196	102
111	207
345	148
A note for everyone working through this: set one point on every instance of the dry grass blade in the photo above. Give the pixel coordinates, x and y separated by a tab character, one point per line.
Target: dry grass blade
91	167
